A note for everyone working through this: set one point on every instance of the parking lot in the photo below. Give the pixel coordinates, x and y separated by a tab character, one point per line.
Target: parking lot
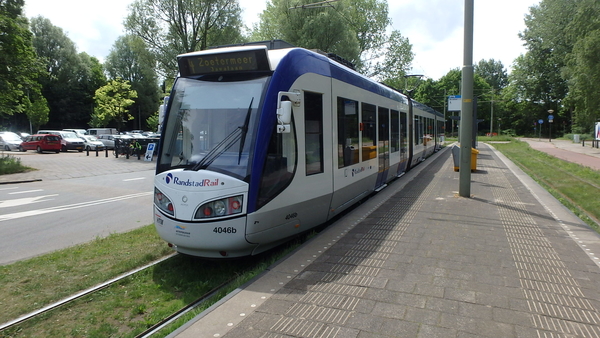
72	164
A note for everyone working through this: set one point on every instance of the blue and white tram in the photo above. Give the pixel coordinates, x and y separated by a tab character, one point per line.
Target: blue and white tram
261	145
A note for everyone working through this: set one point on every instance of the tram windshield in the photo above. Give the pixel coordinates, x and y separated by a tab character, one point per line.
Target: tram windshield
211	125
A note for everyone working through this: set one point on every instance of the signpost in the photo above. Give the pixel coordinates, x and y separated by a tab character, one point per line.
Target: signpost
540	121
550	119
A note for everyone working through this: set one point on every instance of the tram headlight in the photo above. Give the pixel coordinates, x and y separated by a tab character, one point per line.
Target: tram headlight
163	202
219	208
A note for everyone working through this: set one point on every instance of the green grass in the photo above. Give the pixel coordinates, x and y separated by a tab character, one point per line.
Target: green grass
125	308
11	165
576	186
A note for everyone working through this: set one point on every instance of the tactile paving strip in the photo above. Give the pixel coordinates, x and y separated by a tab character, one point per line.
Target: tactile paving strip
331	301
557	302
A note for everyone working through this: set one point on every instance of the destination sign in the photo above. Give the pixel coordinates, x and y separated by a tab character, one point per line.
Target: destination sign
240	61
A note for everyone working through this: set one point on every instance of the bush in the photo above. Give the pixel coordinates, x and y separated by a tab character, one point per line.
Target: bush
11	165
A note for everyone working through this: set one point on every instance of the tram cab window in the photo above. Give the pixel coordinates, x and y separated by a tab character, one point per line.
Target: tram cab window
313	130
348	142
280	165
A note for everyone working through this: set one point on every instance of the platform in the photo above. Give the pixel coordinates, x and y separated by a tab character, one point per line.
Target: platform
417	260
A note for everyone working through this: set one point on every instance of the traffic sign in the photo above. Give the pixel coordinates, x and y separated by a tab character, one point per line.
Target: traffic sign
550	118
540	121
149	152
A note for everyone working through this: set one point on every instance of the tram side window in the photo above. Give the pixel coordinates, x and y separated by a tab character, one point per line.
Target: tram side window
280	165
395	127
418	130
403	135
347	114
369	133
313	124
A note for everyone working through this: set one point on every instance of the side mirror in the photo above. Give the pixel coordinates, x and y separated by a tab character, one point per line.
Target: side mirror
284	117
284	113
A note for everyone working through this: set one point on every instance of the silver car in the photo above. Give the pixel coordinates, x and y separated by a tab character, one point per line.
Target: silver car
92	143
10	141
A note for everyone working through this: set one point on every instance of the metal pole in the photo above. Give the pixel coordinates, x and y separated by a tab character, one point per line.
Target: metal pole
492	115
466	118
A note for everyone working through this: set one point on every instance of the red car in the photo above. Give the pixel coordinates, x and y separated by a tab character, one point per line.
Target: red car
41	142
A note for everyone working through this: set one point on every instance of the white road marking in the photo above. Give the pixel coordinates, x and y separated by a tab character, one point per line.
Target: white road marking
24	192
134	179
70	206
23	201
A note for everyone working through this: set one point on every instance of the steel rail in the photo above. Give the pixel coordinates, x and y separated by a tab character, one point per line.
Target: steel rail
81	294
168	320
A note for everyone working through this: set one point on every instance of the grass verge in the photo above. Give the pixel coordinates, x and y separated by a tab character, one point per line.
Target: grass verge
124	309
576	186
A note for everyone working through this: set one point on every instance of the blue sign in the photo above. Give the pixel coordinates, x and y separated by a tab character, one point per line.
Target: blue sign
541	121
550	118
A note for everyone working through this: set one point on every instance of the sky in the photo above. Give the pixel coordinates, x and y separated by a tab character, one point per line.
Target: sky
433	27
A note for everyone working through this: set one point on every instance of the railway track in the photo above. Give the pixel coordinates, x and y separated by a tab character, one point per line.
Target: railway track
78	295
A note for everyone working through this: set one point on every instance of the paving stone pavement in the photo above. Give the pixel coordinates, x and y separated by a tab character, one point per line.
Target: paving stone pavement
510	261
52	166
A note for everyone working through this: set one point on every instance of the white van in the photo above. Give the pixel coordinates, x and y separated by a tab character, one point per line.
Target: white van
79	132
102	131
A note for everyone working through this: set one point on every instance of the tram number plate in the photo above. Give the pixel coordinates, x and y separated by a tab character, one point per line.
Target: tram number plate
225	230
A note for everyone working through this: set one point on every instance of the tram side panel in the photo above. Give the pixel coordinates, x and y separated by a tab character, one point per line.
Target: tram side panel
355	152
305	202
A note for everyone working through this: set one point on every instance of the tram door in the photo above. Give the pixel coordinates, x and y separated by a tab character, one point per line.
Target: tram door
383	145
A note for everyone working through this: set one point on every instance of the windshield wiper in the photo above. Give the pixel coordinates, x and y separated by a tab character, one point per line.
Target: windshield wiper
245	130
235	136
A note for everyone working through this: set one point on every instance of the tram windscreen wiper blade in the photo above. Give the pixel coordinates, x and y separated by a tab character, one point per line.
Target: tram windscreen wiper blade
219	149
244	129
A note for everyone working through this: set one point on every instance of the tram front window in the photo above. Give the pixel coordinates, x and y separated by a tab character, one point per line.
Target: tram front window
211	125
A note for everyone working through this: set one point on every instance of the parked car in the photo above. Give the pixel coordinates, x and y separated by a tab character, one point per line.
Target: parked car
69	139
9	140
41	143
92	143
109	140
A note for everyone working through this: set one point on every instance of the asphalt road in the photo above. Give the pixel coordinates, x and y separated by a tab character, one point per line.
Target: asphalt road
71	199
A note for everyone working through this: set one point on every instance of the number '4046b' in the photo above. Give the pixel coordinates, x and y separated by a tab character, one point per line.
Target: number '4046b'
225	230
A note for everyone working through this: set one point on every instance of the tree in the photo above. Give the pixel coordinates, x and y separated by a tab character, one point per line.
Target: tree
70	79
583	65
112	103
311	27
355	30
493	72
397	61
130	60
172	27
19	67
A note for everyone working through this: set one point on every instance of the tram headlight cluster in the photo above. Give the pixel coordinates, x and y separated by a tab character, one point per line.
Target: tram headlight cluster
163	202
219	208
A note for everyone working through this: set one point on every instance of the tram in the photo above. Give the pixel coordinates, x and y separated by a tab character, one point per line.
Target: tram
265	141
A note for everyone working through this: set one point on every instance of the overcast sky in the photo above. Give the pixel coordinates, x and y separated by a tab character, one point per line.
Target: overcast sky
433	27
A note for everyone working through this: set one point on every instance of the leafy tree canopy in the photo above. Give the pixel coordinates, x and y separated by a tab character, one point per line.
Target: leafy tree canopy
131	60
19	67
173	27
112	103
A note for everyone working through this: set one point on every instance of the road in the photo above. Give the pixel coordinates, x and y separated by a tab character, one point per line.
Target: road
71	199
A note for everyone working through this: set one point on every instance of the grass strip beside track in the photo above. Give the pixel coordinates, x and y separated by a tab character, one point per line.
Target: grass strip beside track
574	185
124	309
